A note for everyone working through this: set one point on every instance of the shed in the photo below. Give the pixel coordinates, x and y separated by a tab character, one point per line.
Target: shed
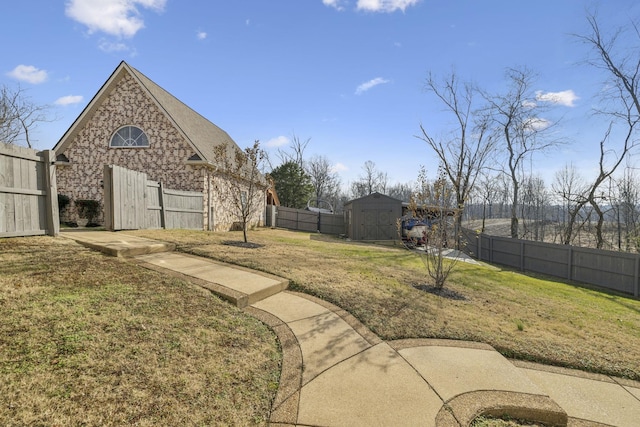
373	217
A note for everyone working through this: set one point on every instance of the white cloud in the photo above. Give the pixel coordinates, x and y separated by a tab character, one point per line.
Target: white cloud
537	123
339	167
69	99
108	46
565	97
370	84
28	73
385	5
115	17
201	35
336	4
278	141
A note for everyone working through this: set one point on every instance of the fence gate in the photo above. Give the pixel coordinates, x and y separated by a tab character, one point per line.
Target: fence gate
124	201
132	202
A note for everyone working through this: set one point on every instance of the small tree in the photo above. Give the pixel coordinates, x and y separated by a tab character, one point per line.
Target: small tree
243	188
433	204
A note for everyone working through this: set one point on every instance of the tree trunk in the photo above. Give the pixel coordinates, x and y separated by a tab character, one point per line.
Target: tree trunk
514	211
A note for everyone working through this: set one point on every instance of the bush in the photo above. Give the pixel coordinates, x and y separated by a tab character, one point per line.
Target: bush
63	202
88	209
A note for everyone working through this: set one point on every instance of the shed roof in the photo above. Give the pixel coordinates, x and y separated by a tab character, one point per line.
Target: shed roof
377	196
199	132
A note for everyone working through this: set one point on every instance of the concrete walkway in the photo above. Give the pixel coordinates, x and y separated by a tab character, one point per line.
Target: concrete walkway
337	373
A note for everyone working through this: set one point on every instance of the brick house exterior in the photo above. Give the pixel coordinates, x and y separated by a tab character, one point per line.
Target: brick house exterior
179	149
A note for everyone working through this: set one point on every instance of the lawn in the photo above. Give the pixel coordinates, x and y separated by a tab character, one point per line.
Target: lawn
87	339
524	317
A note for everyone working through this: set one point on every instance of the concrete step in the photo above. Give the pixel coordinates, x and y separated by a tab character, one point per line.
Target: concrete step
117	244
238	285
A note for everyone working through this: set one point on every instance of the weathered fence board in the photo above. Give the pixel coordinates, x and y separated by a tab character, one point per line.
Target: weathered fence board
28	193
134	202
304	220
618	271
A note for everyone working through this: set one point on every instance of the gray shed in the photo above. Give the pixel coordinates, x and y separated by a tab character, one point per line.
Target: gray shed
373	217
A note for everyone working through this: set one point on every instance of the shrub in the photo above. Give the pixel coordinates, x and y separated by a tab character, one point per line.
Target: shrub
88	209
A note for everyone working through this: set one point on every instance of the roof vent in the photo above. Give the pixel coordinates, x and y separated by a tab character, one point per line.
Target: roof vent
62	158
194	157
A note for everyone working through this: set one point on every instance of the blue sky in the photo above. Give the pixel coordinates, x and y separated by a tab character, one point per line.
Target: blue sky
349	74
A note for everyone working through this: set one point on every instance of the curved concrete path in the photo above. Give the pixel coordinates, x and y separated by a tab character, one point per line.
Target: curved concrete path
337	373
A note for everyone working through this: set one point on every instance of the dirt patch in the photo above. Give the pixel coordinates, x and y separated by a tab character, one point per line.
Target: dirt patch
242	244
441	292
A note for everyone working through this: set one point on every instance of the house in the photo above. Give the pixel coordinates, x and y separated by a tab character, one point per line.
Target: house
134	123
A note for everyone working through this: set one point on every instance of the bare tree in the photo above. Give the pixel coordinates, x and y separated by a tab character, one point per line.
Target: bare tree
487	188
242	189
19	116
571	190
296	151
371	181
535	202
627	214
466	150
516	115
432	204
605	170
401	191
325	180
621	100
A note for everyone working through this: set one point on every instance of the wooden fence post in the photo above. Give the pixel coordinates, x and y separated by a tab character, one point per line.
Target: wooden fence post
107	195
163	214
52	214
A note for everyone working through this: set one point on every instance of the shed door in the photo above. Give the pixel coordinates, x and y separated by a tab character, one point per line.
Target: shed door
378	224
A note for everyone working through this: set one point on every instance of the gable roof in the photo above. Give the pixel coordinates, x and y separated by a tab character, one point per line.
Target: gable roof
199	132
377	196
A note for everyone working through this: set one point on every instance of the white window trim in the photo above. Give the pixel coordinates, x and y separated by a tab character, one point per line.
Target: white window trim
113	135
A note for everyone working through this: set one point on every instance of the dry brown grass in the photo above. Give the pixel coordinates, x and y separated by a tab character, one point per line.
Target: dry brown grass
525	317
87	339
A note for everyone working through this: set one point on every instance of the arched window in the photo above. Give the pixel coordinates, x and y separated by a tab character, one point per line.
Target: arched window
129	136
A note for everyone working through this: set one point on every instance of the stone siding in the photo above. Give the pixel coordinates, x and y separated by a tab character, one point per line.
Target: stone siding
223	212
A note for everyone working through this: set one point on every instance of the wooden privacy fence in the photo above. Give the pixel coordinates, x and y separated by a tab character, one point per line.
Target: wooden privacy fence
304	220
134	202
28	192
618	271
